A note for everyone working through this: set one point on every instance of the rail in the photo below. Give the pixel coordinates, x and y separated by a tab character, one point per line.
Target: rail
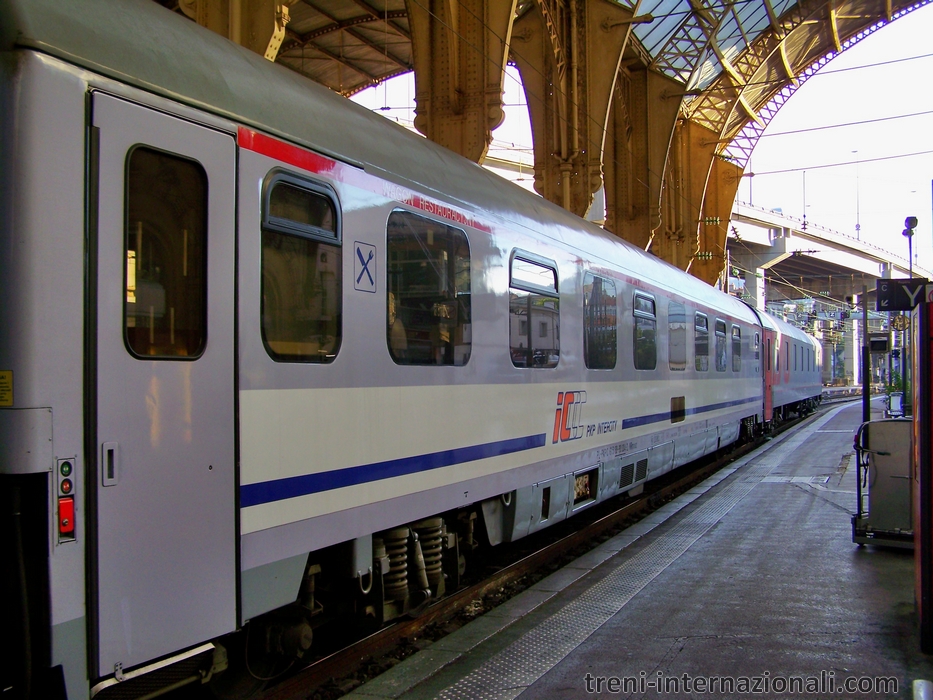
345	662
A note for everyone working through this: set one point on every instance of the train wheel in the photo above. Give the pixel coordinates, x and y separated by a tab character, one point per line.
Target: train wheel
249	668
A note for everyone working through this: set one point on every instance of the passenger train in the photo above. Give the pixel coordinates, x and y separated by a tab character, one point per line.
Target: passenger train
267	360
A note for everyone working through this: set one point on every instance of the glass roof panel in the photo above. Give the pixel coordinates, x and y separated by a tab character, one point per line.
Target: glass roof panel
732	48
754	20
682	67
729	33
662	8
668	16
654	38
709	68
674	37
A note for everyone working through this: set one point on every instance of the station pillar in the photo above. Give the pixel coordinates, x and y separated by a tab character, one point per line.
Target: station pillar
568	55
460	51
852	340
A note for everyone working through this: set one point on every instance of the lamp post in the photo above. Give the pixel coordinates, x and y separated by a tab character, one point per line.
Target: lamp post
866	358
910	223
858	219
804	200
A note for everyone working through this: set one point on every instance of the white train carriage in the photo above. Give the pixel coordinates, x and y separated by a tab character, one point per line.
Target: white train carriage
793	367
260	347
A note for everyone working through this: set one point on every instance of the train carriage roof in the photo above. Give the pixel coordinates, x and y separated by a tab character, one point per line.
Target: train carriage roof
786	329
140	43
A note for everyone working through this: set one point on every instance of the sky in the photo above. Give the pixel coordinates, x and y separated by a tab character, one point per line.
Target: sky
840	149
866	95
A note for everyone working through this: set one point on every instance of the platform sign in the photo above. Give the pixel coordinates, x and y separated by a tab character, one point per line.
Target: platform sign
879	342
902	295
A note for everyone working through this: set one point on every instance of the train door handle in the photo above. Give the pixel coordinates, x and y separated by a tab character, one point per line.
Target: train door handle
110	463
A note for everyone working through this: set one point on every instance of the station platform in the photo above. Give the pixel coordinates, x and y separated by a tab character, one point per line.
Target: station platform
748	585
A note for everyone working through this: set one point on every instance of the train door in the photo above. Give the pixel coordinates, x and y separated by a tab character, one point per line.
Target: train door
785	358
767	360
164	565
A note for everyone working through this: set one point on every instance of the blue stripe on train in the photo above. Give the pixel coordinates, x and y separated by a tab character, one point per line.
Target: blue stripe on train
291	487
280	489
658	417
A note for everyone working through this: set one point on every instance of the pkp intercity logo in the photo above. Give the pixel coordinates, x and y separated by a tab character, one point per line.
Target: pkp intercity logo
568	420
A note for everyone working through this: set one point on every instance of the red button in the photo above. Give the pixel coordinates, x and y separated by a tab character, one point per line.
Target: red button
66	516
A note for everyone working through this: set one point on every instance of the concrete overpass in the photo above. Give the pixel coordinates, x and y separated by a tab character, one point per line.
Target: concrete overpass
811	276
784	258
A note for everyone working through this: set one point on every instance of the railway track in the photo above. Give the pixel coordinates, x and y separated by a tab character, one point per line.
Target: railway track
322	678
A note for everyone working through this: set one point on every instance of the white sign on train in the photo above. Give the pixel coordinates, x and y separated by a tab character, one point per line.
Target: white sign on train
364	267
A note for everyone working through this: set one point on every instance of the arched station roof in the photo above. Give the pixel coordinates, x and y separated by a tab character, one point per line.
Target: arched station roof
660	102
348	45
731	56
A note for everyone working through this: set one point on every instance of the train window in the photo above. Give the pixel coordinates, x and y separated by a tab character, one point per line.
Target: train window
736	349
297	206
677	336
756	351
795	357
720	346
165	314
301	271
534	304
428	292
599	322
701	342
646	327
786	356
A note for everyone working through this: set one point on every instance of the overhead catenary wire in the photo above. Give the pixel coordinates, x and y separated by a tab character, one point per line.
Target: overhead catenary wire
825	127
841	163
817	296
804	292
823	72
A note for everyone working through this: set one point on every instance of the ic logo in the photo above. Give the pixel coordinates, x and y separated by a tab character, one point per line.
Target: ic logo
568	420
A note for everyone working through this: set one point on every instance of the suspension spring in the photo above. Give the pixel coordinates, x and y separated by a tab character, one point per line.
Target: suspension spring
430	532
396	547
